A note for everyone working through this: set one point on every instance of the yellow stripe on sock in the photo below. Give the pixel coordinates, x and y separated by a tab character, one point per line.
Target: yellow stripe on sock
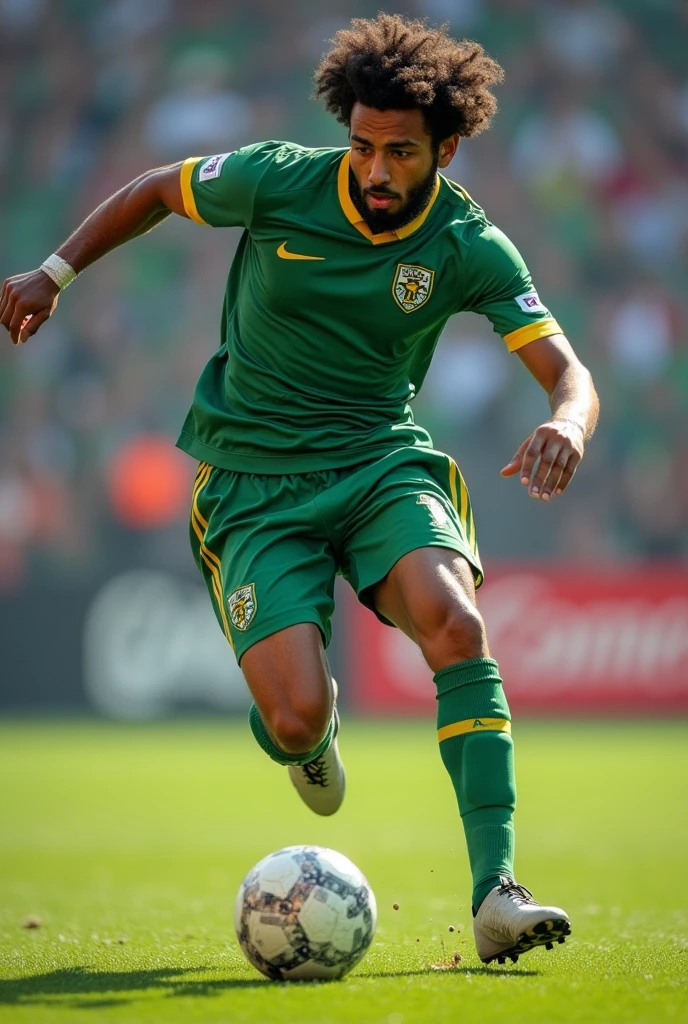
213	563
447	732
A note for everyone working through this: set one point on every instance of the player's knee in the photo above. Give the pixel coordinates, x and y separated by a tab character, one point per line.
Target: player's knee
464	632
298	731
459	635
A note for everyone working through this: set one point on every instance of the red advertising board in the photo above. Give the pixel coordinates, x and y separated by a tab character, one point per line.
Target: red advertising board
566	639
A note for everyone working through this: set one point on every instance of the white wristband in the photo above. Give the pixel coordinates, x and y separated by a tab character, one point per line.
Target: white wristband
59	271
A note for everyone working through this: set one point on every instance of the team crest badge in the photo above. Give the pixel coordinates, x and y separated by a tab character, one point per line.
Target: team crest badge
242	606
412	286
434	507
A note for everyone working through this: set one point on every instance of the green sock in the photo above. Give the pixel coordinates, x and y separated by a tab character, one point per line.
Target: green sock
474	732
264	741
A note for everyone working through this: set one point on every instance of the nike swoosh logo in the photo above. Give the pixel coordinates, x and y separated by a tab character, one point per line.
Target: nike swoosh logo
284	255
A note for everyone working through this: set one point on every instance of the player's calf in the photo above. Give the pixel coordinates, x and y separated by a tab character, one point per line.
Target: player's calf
317	774
297	724
297	743
293	694
474	733
321	783
297	733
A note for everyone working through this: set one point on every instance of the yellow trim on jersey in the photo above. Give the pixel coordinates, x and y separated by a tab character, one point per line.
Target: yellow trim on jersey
188	197
213	563
531	332
447	732
354	217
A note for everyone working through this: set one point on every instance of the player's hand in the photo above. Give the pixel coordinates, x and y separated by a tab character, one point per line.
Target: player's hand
26	302
559	447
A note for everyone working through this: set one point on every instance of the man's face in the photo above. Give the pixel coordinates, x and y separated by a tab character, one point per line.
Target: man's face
394	165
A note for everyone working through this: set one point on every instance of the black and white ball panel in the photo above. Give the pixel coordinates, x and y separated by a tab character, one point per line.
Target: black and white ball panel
305	912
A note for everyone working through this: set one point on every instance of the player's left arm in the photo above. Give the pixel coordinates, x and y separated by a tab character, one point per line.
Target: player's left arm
556	446
497	284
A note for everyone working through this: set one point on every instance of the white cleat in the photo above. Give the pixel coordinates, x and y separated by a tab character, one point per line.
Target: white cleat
321	784
510	922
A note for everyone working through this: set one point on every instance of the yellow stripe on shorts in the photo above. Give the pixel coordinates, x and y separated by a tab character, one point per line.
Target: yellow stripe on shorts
213	563
459	496
462	504
447	732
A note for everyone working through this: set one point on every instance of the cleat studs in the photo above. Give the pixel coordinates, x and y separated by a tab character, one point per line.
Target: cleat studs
514	959
501	960
561	939
549	945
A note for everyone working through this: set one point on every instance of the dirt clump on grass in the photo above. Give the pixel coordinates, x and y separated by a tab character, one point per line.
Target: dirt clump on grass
450	964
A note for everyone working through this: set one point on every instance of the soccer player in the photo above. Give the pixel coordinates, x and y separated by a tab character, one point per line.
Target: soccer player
310	462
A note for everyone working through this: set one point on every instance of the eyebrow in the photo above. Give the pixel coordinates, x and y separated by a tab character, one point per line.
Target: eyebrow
402	144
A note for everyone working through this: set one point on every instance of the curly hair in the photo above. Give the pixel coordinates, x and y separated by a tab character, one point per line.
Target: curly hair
393	63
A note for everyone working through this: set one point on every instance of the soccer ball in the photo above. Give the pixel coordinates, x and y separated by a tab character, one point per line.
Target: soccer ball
305	912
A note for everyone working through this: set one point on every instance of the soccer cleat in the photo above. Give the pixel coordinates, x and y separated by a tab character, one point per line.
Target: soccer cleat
321	784
510	922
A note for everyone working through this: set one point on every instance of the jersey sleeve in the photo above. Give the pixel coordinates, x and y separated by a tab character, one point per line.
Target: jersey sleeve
499	286
222	190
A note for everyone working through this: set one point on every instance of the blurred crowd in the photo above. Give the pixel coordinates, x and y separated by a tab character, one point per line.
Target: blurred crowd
586	169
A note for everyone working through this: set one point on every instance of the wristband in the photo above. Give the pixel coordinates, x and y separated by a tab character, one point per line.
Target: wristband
59	271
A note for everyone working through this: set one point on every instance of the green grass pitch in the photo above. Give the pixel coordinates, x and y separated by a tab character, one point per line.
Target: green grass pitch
129	842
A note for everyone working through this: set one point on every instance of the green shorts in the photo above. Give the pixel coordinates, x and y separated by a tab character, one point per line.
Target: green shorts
269	547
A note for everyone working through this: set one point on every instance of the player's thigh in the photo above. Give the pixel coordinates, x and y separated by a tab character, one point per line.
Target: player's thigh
412	556
429	593
401	506
273	579
290	679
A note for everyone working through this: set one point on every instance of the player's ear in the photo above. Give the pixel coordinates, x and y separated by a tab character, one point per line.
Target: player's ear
447	150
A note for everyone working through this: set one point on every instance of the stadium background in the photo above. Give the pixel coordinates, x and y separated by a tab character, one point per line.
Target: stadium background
586	168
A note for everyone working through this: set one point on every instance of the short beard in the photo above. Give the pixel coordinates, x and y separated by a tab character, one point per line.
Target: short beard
381	220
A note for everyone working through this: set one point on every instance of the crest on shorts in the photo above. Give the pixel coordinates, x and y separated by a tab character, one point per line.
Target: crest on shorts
412	286
242	606
434	507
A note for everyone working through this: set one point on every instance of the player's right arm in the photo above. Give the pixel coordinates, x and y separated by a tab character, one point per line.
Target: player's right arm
220	191
135	209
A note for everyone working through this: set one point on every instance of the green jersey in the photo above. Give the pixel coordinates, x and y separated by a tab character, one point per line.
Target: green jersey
327	329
